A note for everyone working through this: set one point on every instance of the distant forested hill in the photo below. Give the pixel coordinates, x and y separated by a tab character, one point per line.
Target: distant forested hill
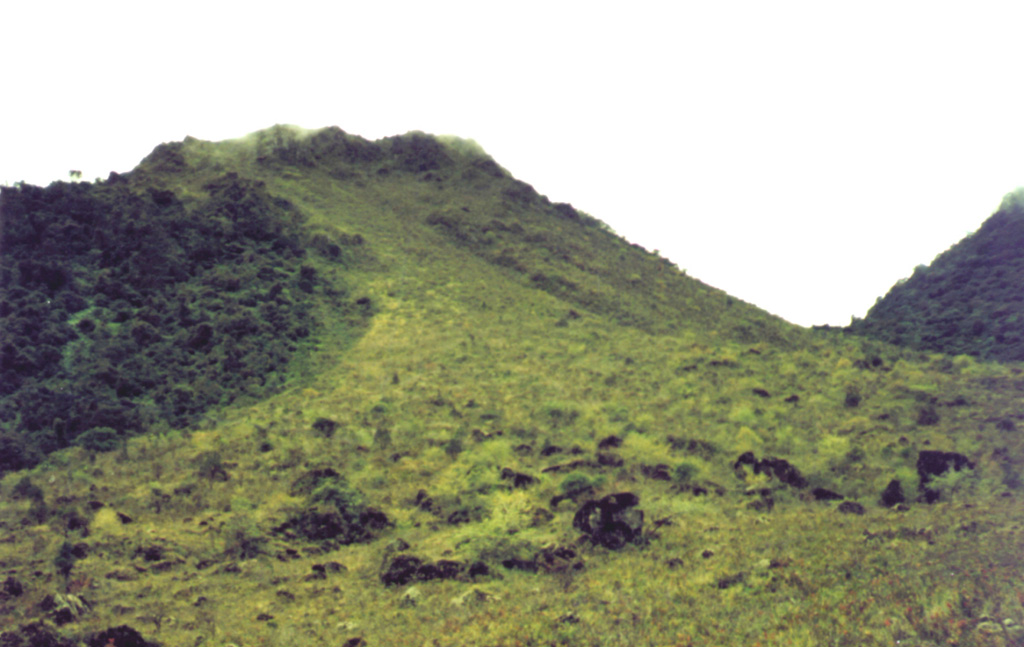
970	300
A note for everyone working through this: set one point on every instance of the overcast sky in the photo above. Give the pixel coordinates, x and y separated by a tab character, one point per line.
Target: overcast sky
802	156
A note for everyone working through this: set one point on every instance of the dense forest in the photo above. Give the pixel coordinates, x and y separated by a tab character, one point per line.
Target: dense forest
969	300
122	308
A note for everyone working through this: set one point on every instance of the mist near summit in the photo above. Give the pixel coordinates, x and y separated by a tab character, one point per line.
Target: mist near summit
802	157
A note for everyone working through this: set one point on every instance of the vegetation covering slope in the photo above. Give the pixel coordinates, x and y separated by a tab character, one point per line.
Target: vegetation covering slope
543	436
968	301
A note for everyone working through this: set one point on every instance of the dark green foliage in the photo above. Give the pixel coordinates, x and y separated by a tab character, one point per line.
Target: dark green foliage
852	398
210	466
35	634
112	296
685	472
578	483
65	559
25	489
335	512
242	539
325	427
968	301
99	439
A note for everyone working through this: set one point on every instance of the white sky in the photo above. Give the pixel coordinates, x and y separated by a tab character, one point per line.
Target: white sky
802	156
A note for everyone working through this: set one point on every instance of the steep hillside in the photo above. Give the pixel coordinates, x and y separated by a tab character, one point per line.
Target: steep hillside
968	301
537	434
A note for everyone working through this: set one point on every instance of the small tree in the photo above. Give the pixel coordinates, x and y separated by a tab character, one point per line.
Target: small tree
65	560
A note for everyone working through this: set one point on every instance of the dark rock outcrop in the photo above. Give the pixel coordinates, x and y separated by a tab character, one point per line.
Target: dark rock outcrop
936	463
612	521
893	494
120	636
822	494
850	507
773	467
519	480
403	569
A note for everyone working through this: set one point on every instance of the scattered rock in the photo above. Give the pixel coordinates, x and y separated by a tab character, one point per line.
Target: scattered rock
612	521
401	570
517	564
893	494
659	472
150	553
64	608
555	559
404	569
478	569
936	463
286	595
822	494
850	507
35	634
519	480
122	575
12	587
770	466
731	580
927	416
325	427
121	636
609	442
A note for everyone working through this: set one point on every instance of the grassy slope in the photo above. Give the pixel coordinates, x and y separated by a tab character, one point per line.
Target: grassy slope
460	343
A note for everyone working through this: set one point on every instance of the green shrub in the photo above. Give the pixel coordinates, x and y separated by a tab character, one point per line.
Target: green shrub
578	482
65	559
242	538
26	489
99	439
336	493
685	472
209	466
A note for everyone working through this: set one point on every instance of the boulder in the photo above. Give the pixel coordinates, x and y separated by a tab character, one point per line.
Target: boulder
822	494
610	442
35	634
770	466
893	494
518	479
120	636
402	570
936	463
612	521
851	507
